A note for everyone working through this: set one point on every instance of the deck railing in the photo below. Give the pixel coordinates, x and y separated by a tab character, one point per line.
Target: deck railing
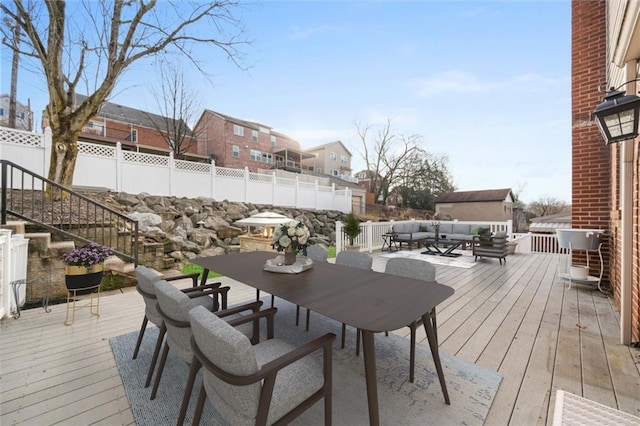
370	239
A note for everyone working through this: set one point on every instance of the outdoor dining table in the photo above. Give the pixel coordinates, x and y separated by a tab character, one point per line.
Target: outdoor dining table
370	301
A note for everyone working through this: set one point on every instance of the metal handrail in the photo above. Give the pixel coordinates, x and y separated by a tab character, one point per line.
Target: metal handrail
23	196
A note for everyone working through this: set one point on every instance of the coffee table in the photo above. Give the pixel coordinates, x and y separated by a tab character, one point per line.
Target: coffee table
433	247
371	301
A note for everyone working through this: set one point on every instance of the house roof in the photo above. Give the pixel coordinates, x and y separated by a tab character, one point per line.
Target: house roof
551	222
245	123
128	115
487	195
327	145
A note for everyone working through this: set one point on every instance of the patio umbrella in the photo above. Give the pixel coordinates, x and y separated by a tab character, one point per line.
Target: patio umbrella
264	219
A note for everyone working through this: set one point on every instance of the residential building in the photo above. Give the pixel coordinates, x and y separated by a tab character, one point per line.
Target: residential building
366	179
605	195
135	129
236	143
24	115
490	205
333	159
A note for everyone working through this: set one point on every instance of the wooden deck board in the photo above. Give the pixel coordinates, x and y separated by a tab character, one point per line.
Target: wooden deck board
517	318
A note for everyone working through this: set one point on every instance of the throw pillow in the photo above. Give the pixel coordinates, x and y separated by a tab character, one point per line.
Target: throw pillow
475	231
422	228
485	241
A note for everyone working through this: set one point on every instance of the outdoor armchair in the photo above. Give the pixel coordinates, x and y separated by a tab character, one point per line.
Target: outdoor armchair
420	270
174	306
145	287
269	383
354	259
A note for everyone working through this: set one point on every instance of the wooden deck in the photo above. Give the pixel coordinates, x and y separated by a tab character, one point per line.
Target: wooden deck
517	319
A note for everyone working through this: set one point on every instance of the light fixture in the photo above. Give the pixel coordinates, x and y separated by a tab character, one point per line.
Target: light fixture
617	116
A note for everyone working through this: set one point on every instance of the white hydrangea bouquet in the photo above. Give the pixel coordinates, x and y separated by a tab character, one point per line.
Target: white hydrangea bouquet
291	236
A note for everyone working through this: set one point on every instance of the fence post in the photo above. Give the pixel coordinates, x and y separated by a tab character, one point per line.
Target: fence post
316	202
339	242
172	168
212	191
369	235
296	202
246	185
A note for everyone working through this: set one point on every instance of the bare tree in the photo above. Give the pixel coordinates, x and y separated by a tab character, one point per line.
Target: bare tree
546	206
393	159
178	105
423	182
94	42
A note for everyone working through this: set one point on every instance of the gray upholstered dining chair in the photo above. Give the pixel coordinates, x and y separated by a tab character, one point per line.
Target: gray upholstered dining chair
174	306
354	259
317	253
145	287
420	270
271	382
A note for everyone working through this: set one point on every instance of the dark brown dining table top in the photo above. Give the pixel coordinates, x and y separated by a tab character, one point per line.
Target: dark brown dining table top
367	300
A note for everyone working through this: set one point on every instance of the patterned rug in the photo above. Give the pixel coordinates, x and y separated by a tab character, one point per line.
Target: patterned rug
471	387
465	260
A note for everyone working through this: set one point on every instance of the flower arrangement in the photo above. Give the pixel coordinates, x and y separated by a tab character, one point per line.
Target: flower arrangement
89	255
291	235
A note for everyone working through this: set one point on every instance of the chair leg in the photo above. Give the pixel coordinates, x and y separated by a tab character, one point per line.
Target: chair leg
344	332
156	352
412	352
199	406
193	371
163	360
429	327
297	315
140	335
358	333
308	318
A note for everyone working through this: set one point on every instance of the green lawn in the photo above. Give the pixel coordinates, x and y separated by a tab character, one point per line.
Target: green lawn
192	269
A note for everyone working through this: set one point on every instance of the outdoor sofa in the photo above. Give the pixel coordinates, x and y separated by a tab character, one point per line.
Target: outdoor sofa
414	233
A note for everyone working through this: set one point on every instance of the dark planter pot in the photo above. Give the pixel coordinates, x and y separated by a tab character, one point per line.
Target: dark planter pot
83	280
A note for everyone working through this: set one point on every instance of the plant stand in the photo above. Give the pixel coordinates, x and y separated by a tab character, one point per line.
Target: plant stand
82	280
587	240
72	298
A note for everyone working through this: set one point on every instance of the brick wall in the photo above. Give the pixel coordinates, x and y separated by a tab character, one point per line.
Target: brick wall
591	165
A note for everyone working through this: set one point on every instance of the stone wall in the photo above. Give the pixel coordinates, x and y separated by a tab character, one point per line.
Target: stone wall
172	231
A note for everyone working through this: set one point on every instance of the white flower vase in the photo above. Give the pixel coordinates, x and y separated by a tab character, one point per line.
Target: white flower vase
289	256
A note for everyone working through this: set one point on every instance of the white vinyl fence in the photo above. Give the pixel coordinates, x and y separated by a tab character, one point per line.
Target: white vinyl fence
126	171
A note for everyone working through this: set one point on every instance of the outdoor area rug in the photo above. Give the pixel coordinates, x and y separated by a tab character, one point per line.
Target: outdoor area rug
471	387
465	260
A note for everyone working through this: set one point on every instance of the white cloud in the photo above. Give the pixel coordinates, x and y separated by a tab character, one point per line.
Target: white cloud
456	81
304	33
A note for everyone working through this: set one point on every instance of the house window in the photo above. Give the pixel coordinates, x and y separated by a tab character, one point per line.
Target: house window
254	135
343	159
335	173
235	149
273	140
22	116
267	157
332	156
238	130
255	155
1	112
134	135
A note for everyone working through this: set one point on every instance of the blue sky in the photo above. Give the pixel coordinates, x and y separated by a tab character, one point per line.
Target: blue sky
486	84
